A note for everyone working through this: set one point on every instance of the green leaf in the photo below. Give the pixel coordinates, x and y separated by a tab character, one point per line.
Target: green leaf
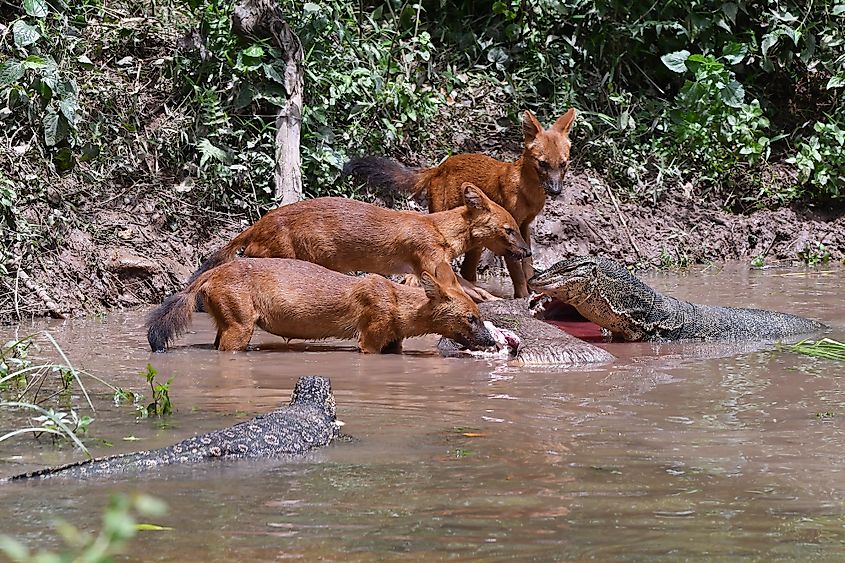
24	33
838	10
11	71
793	34
34	61
730	9
55	128
676	62
208	150
733	52
272	74
769	41
35	8
311	7
69	108
836	81
733	94
63	160
255	51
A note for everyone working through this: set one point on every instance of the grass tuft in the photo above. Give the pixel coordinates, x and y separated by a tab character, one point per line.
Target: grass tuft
826	348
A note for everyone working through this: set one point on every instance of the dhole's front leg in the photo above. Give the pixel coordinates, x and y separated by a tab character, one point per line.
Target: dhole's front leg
527	263
234	338
469	268
520	285
375	337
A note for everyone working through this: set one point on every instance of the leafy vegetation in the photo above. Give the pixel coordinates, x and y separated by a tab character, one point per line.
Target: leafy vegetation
826	348
120	524
160	404
47	389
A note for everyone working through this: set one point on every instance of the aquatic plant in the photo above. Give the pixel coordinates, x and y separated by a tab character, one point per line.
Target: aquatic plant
826	348
160	405
119	526
27	385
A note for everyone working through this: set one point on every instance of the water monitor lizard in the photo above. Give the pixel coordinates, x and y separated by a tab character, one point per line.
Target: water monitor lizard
308	422
607	294
540	344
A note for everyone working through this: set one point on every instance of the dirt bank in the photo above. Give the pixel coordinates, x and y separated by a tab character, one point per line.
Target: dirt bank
138	250
678	231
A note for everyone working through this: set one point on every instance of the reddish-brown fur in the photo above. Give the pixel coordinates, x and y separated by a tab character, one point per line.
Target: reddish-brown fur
347	235
296	299
520	187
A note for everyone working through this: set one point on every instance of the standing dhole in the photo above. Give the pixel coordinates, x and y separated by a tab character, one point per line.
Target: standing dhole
346	235
520	187
296	299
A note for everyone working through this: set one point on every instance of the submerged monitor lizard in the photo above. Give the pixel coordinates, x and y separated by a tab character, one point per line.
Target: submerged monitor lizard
607	294
307	423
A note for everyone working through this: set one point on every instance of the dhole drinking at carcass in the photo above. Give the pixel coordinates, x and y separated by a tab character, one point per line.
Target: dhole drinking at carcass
296	299
520	187
348	236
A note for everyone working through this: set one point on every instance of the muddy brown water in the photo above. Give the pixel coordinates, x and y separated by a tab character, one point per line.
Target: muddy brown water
673	451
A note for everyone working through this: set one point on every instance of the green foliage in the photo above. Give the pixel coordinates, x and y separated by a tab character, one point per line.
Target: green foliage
821	160
709	117
37	89
367	88
826	348
119	525
368	85
816	254
160	404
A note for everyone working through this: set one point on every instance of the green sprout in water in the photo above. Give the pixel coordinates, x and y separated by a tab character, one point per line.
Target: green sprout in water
160	405
826	348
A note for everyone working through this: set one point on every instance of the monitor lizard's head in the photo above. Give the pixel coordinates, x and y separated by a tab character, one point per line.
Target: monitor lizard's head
314	390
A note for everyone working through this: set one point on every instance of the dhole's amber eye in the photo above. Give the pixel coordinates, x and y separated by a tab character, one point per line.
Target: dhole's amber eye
509	231
543	164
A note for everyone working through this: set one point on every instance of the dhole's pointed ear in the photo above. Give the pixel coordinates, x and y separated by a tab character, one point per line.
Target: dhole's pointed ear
430	286
474	198
530	126
564	122
445	275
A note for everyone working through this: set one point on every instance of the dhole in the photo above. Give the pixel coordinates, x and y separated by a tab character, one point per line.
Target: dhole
296	299
348	236
520	187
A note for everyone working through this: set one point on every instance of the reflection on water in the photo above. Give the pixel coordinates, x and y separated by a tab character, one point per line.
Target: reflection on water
673	451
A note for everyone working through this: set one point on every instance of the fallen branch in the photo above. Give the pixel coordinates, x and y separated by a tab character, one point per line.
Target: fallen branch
622	220
42	294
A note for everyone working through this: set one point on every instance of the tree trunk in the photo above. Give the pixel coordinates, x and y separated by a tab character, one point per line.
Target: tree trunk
264	19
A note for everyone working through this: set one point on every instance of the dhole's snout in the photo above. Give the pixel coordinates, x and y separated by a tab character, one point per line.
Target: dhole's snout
480	337
554	188
517	247
523	251
553	179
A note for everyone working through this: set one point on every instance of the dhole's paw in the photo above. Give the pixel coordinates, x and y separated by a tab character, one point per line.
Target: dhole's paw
476	293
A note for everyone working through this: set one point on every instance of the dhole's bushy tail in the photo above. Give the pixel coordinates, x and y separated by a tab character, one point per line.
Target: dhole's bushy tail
225	254
172	317
384	174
